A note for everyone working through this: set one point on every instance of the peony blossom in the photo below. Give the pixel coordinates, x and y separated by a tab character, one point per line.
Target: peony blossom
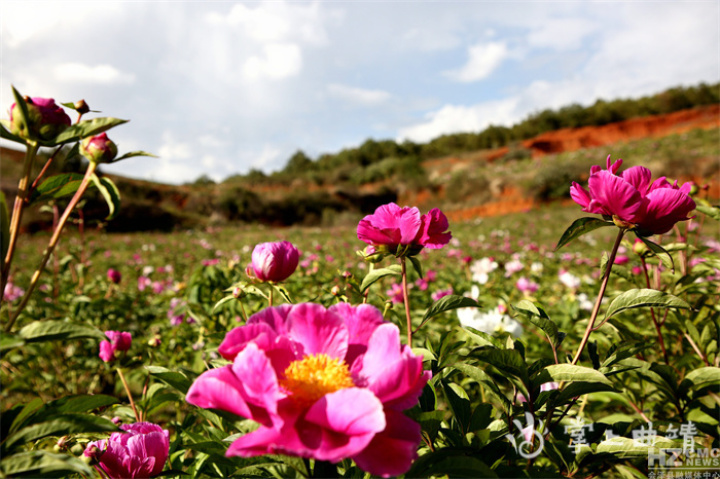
392	227
13	292
274	261
114	276
119	341
327	384
45	119
631	197
490	322
526	286
140	451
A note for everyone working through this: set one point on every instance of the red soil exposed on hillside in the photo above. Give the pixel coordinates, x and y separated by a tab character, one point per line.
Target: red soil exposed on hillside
511	199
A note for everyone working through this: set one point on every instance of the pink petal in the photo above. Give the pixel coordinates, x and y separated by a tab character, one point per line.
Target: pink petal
248	388
409	223
275	317
318	330
639	177
580	196
235	341
667	206
348	419
391	452
434	227
361	321
107	352
615	196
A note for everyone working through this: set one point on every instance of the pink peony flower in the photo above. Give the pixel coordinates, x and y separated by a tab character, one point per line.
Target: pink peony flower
392	226
395	293
526	286
119	341
138	452
13	292
441	293
274	261
114	276
45	119
653	207
327	384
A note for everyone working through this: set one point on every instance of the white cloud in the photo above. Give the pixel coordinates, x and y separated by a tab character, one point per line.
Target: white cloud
267	157
459	118
561	33
483	59
101	74
278	61
361	96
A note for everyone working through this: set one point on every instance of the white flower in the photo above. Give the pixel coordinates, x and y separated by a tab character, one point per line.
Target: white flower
536	267
569	280
513	267
585	302
490	322
481	269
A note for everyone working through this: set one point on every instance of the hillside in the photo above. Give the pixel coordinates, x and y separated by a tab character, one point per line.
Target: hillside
683	144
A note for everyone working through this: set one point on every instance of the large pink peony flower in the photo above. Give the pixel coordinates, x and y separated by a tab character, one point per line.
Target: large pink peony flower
653	207
141	451
274	261
392	226
323	383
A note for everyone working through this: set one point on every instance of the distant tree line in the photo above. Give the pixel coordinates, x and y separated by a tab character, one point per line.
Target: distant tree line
377	160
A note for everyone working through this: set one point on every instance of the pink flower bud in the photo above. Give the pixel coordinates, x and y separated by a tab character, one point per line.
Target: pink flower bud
274	261
98	148
119	341
45	119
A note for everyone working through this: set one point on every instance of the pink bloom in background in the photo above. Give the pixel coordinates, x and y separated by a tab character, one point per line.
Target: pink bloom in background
526	286
512	267
13	292
114	276
274	261
441	293
654	207
140	451
119	341
395	293
210	262
143	282
393	226
621	259
327	384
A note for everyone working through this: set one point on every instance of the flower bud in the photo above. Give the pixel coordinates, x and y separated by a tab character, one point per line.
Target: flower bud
45	119
98	149
81	107
335	291
274	261
639	248
114	276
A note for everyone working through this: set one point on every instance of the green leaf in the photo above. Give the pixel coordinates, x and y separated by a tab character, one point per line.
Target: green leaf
537	315
509	361
172	378
221	302
27	411
79	404
639	298
57	186
43	464
110	193
4	229
9	341
85	129
570	372
417	265
133	154
711	211
61	425
447	303
625	447
580	227
450	462
5	133
703	377
377	274
659	251
459	404
40	331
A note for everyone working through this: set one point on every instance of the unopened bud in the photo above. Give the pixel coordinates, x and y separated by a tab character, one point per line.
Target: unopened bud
98	149
335	291
81	107
639	248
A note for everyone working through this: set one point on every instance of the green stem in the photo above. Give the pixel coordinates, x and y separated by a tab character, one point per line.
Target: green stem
18	207
53	242
596	308
406	301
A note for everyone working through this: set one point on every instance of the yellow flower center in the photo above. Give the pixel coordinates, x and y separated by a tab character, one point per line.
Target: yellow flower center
312	377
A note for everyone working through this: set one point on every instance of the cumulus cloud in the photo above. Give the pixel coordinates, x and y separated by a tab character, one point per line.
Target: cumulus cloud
360	96
277	61
483	59
561	33
74	72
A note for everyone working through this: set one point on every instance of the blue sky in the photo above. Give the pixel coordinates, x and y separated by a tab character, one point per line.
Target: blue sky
218	88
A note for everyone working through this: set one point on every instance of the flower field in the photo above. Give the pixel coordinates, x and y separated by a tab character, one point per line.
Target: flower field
567	341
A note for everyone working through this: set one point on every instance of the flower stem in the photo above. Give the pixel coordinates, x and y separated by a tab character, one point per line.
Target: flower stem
596	308
658	325
53	242
129	394
406	301
18	207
